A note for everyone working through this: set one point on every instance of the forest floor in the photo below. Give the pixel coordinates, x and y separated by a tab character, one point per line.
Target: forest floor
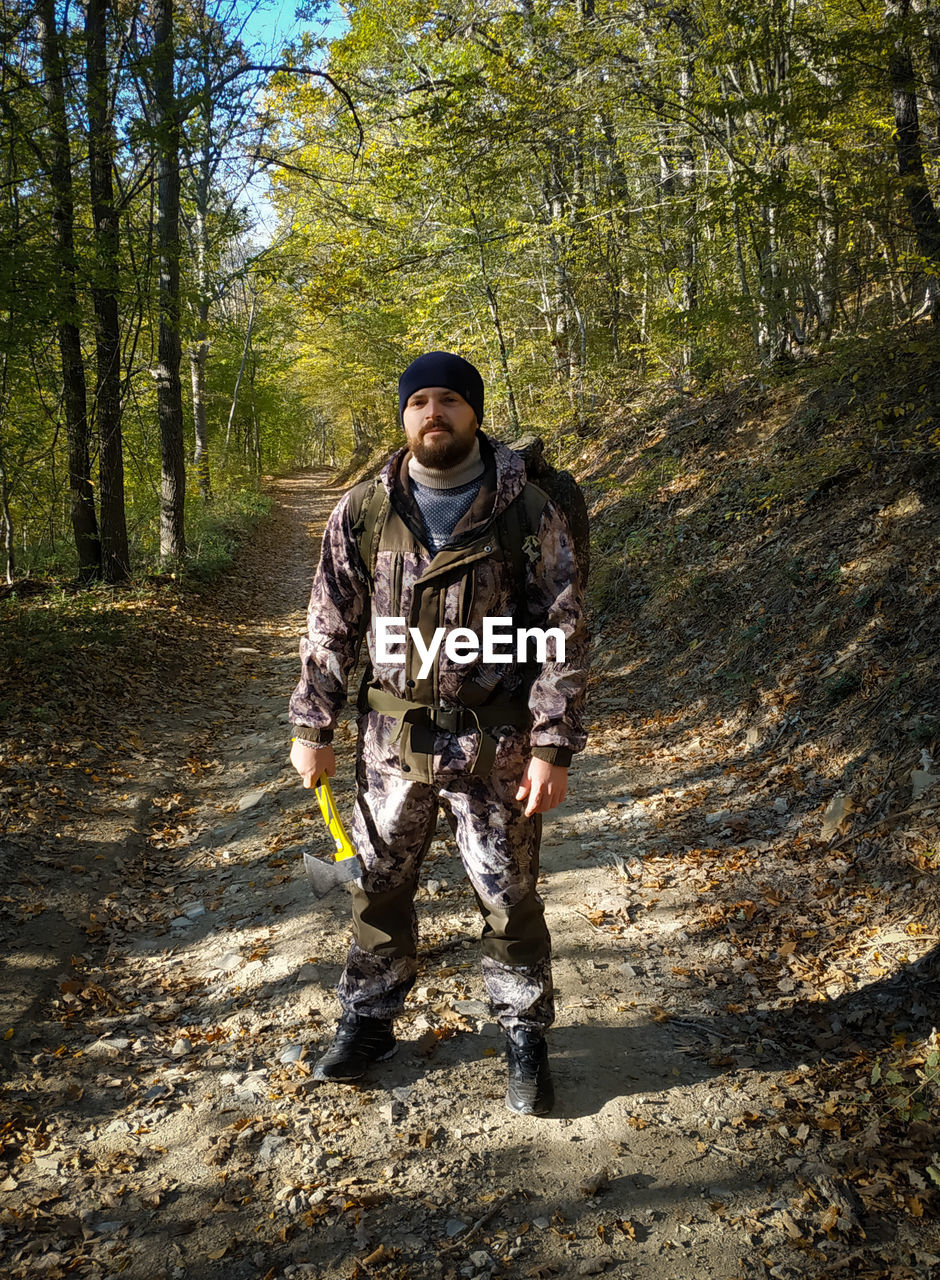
745	963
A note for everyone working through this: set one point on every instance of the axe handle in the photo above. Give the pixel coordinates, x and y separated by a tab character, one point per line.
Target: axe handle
334	822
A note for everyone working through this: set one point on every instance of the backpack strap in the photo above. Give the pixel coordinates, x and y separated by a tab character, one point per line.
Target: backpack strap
368	510
518	535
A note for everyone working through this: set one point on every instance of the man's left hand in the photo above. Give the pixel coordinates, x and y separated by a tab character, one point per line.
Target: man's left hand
544	785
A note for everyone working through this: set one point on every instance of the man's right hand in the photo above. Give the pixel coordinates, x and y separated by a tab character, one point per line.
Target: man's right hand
312	762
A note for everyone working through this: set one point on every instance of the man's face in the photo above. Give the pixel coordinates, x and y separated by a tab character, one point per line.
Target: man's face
440	427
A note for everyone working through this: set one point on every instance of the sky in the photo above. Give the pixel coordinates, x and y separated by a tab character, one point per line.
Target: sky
274	22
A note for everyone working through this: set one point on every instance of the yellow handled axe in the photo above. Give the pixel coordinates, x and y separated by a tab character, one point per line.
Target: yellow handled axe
347	865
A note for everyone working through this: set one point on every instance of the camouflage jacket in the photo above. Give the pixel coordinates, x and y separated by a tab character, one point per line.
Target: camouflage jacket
467	581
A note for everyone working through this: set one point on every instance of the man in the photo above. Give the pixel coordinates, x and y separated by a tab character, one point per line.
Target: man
456	538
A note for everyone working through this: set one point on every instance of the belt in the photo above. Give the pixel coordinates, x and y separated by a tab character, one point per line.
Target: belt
454	719
448	718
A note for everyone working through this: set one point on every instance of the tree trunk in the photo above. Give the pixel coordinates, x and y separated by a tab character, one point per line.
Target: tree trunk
687	182
241	370
169	391
827	261
501	342
81	493
199	353
115	557
910	156
554	207
8	545
931	11
255	424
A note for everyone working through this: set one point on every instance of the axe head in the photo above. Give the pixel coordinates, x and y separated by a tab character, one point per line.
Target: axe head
323	876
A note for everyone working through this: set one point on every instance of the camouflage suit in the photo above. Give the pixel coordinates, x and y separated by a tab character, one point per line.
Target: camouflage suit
406	769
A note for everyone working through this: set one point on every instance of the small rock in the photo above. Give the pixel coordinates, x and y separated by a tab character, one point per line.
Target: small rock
194	910
180	922
592	1266
270	1149
781	806
921	780
541	1224
837	812
480	1259
157	1091
181	1047
249	1092
390	1112
471	1008
434	887
595	1183
250	799
293	1053
229	962
719	815
453	1227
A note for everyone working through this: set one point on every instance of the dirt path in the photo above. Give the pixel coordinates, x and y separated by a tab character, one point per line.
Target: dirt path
160	1121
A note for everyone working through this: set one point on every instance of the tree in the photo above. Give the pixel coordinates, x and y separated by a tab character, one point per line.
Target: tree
105	278
169	393
907	136
59	167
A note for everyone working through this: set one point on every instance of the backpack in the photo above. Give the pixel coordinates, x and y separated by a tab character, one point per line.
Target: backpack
565	493
517	524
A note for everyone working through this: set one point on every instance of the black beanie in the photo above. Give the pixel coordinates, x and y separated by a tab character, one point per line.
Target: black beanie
442	369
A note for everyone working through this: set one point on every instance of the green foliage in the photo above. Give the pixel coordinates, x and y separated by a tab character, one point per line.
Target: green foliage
62	620
589	197
215	529
907	1085
213	533
583	200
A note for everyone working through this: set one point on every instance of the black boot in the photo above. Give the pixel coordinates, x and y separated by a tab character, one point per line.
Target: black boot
530	1091
358	1042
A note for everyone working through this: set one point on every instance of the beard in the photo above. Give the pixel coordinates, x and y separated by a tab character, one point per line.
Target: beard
442	453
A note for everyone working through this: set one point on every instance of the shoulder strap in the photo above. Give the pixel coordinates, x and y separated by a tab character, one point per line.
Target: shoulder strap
368	512
519	536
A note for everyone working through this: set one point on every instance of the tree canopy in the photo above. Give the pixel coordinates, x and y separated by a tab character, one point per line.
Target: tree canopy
581	197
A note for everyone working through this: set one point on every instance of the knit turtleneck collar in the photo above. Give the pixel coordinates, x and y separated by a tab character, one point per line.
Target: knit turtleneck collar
471	468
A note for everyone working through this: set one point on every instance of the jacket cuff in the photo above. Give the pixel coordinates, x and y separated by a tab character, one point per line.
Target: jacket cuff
553	755
313	737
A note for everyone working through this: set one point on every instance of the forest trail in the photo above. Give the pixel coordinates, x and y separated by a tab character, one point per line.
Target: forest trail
175	976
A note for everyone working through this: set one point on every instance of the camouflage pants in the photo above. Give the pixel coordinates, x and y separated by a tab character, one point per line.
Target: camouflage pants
393	825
